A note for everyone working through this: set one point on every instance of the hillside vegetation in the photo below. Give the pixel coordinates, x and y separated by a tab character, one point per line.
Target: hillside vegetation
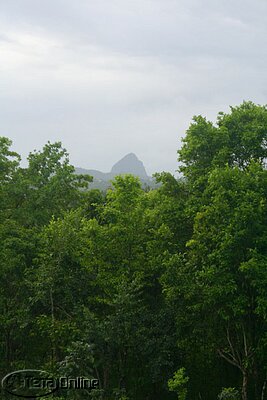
160	294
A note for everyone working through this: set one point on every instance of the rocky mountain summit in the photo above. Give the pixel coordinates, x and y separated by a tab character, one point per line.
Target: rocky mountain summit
129	164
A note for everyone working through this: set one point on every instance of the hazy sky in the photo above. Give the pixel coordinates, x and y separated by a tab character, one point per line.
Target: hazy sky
109	77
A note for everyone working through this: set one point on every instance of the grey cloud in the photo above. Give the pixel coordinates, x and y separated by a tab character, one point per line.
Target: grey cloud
110	77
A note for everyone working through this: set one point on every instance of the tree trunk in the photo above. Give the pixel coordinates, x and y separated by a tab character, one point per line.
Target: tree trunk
245	386
105	377
263	389
53	353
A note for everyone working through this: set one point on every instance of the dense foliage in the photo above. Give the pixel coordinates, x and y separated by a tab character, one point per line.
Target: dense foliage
157	293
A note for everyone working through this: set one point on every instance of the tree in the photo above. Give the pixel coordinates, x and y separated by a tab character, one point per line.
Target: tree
212	283
9	163
126	318
51	185
29	197
227	232
178	383
237	139
59	284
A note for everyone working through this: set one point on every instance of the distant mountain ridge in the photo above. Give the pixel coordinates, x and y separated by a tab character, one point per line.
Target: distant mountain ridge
129	164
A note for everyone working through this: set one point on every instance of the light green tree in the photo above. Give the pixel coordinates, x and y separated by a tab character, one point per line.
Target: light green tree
178	383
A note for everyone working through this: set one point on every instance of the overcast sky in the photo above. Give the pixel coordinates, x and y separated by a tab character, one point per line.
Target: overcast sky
109	77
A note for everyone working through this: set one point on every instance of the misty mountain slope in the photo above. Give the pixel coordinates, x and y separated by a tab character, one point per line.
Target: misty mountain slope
129	164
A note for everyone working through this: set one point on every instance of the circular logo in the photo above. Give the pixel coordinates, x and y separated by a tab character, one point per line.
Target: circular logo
29	383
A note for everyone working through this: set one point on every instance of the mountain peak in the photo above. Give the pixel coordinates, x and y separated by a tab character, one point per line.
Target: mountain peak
129	164
131	155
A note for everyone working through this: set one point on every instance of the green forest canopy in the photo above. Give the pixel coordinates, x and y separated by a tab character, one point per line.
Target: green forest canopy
158	294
